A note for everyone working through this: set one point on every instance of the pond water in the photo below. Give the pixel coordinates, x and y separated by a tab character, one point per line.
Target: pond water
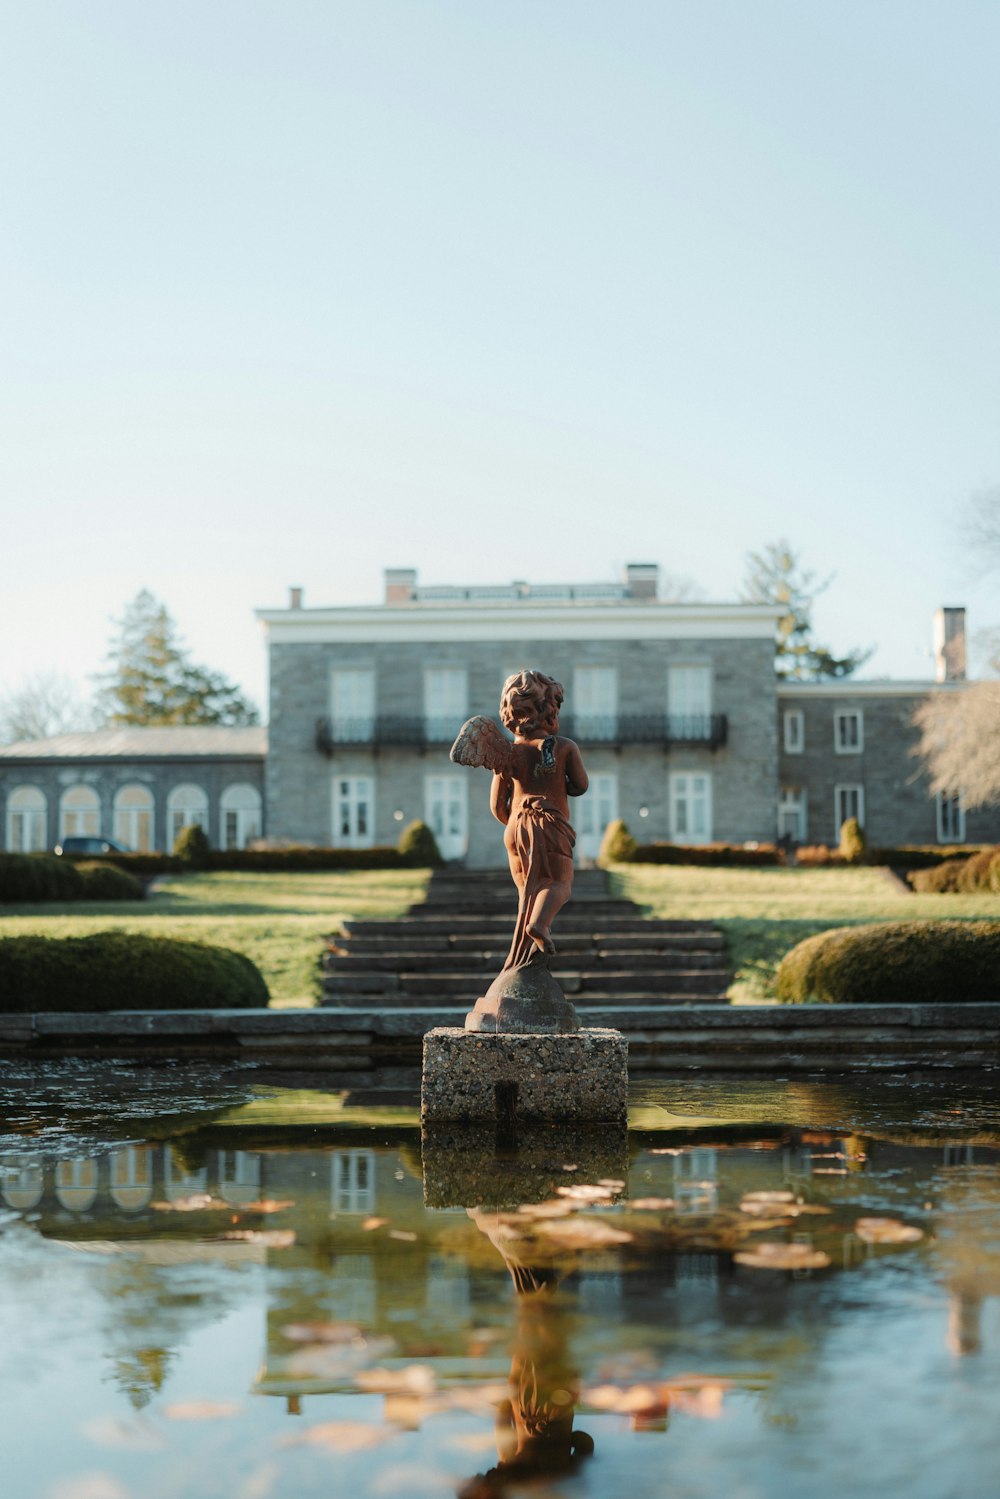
236	1287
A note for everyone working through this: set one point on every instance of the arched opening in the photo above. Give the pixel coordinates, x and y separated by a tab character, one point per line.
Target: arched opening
186	805
134	817
79	813
241	819
26	822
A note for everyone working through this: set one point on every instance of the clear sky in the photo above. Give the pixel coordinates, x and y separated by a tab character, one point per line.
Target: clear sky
293	291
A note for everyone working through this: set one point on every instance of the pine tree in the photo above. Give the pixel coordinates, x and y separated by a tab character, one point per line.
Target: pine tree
776	576
152	681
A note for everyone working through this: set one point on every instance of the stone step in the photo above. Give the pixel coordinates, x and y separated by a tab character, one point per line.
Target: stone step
471	926
595	908
593	1003
481	959
441	985
668	944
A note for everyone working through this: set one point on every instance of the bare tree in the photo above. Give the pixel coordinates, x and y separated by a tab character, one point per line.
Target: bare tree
960	742
42	704
980	528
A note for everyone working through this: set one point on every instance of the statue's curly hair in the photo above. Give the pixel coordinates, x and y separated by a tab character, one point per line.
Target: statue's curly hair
530	701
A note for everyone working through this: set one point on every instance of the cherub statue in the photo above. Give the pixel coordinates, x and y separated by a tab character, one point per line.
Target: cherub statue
533	777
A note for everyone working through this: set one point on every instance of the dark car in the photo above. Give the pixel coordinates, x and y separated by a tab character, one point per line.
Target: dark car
88	846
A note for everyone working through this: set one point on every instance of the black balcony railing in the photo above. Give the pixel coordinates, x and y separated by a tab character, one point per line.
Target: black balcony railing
708	730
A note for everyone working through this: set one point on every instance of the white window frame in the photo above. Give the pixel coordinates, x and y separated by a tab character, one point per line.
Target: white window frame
446	702
841	746
690	686
27	820
840	791
794	731
794	799
127	819
187	805
81	821
352	704
352	1181
595	703
360	792
682	791
240	815
949	808
444	797
591	813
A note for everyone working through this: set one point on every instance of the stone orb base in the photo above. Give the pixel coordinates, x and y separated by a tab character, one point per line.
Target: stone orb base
478	1077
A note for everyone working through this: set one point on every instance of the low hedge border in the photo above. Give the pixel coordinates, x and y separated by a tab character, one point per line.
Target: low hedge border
124	971
27	879
722	854
894	962
294	860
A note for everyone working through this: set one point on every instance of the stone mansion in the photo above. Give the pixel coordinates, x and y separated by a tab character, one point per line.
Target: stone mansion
684	728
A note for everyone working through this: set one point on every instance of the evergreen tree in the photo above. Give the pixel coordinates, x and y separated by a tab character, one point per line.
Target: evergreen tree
152	681
776	576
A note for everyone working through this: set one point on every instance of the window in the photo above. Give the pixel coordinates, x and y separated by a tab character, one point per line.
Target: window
22	1184
352	705
689	702
134	817
690	807
445	702
239	1177
795	731
446	813
132	1177
848	801
792	813
848	731
353	1184
595	703
353	812
76	1184
241	815
26	808
186	806
79	813
592	812
950	817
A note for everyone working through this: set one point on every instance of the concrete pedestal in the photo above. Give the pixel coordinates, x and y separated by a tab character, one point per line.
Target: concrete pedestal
580	1076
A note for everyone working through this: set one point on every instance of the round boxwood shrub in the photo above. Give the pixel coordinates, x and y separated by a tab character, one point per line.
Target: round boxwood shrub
108	882
38	877
853	847
617	845
894	962
940	878
192	848
124	971
417	845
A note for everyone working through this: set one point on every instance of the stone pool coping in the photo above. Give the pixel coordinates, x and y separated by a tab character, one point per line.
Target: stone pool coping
713	1037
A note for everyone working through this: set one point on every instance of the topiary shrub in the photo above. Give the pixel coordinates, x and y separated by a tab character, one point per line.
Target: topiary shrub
108	882
617	845
974	873
853	846
38	877
894	962
938	879
417	845
124	971
192	848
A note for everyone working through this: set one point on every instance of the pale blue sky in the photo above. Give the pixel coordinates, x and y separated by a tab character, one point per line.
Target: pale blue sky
289	292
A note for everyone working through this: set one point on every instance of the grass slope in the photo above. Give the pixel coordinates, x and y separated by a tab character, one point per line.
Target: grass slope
764	912
277	920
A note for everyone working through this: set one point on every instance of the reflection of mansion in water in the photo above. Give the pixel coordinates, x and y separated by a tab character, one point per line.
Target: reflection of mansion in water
686	732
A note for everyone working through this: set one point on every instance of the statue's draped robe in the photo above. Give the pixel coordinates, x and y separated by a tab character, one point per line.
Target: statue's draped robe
536	833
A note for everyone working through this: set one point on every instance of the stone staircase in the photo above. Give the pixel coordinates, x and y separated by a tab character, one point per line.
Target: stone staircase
445	951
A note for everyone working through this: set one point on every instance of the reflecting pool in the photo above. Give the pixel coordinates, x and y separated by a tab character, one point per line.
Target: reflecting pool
229	1286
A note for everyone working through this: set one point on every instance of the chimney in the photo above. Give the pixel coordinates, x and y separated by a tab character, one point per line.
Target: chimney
949	645
400	585
642	580
295	598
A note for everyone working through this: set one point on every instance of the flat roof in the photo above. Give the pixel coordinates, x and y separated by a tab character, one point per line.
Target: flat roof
133	743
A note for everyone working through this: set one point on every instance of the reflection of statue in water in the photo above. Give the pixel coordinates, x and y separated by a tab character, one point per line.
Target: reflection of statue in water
534	1428
533	779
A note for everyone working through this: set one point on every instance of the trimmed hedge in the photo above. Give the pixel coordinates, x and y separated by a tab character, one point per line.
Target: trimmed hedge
939	879
38	877
967	876
923	855
894	962
296	859
124	971
817	856
107	882
418	845
191	847
617	846
731	854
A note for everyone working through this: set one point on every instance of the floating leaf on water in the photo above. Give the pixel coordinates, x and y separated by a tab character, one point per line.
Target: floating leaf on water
371	1223
323	1332
582	1233
650	1204
271	1238
414	1379
196	1203
265	1205
767	1209
830	1171
340	1436
776	1256
573	1167
611	1183
695	1395
886	1231
581	1193
766	1197
667	1150
561	1207
404	1234
201	1410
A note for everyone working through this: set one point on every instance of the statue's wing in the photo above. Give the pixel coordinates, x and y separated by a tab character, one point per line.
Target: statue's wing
482	742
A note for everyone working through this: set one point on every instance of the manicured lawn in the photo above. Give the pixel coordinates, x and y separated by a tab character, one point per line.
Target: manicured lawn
764	912
277	920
